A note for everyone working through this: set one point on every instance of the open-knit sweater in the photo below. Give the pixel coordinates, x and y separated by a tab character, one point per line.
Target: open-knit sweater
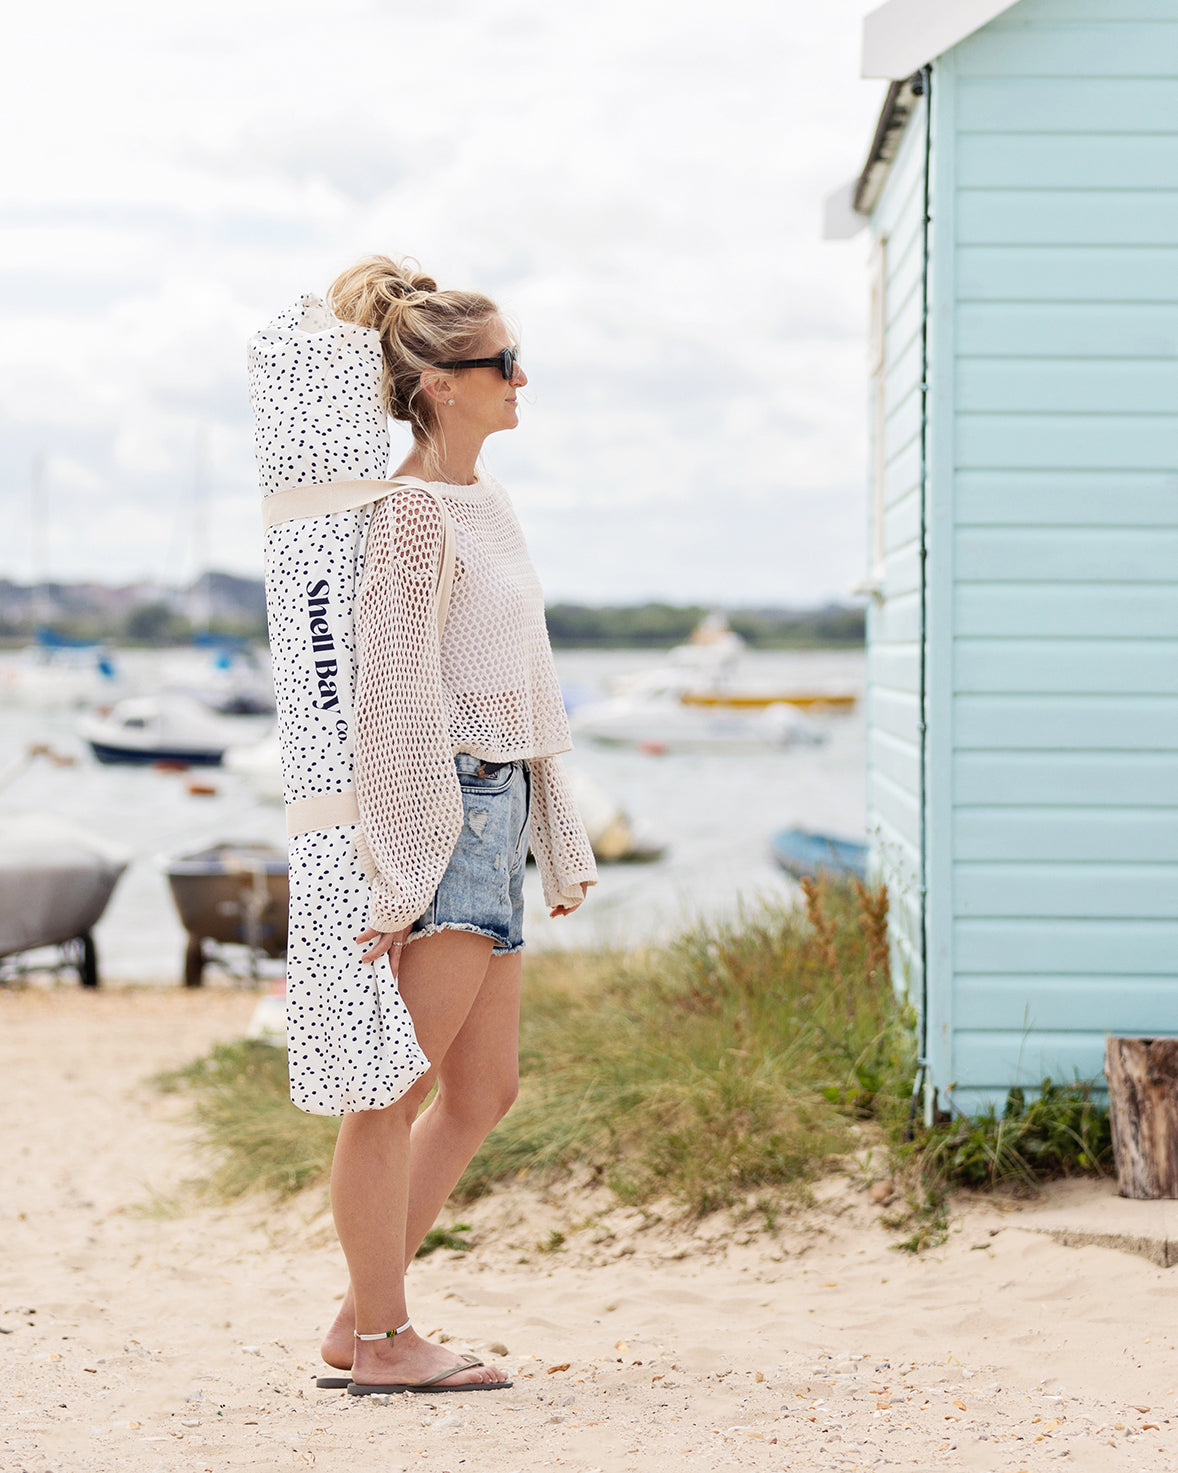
487	687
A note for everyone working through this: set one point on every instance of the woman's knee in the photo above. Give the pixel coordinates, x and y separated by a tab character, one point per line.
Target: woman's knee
483	1106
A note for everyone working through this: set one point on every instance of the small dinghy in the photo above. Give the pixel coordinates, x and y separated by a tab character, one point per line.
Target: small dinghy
55	882
806	854
230	895
144	730
612	834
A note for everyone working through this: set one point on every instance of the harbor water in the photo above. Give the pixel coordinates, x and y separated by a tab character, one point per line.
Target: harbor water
714	812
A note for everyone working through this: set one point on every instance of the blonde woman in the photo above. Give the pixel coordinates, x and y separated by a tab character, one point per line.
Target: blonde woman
421	723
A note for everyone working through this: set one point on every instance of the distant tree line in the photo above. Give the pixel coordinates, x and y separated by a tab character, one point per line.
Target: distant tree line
659	625
144	615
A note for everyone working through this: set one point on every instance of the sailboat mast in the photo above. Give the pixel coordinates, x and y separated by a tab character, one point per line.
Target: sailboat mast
200	597
42	603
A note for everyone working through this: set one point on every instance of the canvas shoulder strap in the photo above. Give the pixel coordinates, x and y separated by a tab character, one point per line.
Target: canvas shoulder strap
332	498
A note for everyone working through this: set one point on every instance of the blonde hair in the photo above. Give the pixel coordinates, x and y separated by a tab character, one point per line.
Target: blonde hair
419	328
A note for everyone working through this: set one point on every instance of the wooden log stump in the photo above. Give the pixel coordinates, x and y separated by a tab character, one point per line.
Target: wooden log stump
1142	1078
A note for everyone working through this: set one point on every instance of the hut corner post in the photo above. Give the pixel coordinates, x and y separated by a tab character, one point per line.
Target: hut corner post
1143	1110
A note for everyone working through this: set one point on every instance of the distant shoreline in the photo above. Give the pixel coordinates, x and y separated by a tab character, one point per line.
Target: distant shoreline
141	617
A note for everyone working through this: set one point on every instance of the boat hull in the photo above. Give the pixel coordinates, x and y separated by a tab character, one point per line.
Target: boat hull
149	756
234	893
758	700
55	882
805	854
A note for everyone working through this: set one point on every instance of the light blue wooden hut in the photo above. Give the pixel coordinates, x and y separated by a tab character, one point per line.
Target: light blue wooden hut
1021	194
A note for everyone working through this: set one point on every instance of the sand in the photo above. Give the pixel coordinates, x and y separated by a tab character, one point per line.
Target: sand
144	1331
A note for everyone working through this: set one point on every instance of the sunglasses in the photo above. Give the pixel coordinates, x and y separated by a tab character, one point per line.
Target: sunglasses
505	362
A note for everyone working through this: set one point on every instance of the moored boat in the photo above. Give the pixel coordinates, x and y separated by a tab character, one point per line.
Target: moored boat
707	672
806	854
612	832
143	730
230	894
55	882
663	724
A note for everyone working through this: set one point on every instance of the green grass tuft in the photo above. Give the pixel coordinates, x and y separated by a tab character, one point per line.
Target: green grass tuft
256	1138
1064	1131
450	1237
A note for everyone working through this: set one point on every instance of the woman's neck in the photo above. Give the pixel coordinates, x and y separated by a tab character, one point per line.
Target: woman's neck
459	465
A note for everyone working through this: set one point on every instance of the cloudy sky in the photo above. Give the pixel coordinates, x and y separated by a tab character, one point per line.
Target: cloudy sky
639	182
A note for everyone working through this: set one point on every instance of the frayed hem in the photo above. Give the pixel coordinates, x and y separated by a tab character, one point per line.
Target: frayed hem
499	949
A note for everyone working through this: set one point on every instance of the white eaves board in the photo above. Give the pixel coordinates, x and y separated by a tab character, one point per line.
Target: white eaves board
899	37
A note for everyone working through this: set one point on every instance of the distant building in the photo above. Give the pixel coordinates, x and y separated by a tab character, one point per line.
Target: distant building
1023	635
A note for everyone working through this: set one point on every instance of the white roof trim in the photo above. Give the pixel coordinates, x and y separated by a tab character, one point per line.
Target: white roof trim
840	219
901	36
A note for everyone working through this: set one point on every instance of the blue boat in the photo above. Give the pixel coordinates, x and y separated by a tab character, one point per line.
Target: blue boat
805	854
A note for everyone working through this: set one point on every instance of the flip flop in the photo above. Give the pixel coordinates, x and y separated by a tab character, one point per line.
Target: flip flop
430	1384
332	1383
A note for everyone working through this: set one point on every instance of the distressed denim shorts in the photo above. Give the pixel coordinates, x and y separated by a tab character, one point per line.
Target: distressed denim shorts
482	889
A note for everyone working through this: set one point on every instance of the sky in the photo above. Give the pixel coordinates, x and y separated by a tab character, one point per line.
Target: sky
638	183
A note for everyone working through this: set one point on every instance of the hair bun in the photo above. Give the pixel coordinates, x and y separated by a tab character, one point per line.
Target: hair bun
412	289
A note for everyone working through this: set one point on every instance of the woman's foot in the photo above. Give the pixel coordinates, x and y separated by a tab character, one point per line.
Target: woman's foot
339	1344
409	1359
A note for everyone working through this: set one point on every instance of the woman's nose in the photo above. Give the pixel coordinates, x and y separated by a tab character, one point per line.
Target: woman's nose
519	378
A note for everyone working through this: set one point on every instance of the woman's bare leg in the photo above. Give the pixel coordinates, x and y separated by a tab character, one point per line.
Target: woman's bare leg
440	978
477	1084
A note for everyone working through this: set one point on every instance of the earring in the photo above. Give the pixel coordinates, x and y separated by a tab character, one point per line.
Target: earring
449	401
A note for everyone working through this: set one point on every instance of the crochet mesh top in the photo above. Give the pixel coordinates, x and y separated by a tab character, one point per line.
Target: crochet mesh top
489	688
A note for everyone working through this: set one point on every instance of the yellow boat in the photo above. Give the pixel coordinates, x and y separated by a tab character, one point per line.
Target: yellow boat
812	700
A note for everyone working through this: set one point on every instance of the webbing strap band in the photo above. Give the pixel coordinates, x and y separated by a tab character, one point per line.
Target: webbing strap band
326	811
330	498
333	498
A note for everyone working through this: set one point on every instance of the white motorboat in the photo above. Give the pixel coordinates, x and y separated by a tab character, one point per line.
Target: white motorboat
663	723
170	728
55	882
707	672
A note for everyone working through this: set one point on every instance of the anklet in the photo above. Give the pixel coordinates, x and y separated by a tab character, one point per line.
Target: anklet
384	1334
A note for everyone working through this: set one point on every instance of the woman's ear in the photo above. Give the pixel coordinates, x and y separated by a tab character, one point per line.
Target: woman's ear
438	387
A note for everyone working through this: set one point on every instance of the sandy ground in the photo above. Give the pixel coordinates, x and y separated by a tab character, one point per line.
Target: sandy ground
144	1335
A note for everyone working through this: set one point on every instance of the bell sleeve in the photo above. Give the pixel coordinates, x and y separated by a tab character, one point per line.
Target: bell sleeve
406	785
563	853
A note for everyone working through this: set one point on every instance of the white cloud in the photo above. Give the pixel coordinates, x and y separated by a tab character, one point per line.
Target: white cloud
640	185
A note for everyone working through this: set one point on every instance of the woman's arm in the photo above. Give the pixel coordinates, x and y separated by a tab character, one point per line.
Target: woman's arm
406	785
563	853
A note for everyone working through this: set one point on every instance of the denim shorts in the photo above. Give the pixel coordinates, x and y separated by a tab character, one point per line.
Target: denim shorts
482	889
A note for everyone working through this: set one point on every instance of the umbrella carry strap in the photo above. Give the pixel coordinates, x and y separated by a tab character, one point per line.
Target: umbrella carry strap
331	498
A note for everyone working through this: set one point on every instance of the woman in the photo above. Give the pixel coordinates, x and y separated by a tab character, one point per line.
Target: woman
452	746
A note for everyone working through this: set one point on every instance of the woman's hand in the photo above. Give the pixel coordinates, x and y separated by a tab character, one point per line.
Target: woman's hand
567	910
390	942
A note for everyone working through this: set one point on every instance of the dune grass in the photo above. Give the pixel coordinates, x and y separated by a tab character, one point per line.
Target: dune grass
739	1058
724	1070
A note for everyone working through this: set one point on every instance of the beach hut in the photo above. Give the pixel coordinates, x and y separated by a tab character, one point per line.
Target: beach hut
1021	200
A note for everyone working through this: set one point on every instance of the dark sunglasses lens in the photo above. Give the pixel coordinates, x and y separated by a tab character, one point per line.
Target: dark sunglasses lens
507	363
